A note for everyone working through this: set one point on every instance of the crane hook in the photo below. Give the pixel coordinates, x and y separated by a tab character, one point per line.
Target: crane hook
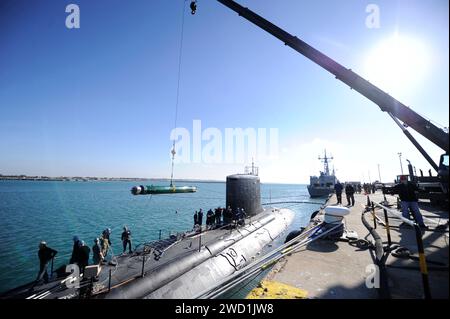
193	7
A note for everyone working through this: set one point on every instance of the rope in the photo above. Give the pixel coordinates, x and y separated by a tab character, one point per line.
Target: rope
180	58
180	55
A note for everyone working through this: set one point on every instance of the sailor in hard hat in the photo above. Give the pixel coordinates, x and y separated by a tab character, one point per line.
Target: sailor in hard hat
106	234
105	242
46	254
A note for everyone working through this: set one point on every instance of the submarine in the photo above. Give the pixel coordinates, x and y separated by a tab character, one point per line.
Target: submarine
178	267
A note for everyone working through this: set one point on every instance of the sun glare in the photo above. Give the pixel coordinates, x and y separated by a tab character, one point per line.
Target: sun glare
397	64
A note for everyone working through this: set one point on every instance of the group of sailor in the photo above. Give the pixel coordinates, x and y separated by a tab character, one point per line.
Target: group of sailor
369	188
81	252
220	217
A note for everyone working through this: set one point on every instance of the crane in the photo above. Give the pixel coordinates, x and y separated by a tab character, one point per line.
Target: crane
386	102
402	115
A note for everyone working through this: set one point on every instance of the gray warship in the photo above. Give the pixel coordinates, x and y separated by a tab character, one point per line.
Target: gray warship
322	185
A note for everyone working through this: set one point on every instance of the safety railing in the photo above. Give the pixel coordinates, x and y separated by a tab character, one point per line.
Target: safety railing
423	267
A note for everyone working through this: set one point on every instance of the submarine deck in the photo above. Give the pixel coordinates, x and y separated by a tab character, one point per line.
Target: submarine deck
128	267
337	270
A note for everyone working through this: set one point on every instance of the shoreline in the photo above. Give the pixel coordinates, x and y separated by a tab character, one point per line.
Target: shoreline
118	179
96	179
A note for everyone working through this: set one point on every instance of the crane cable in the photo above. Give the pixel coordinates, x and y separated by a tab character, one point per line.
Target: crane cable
173	152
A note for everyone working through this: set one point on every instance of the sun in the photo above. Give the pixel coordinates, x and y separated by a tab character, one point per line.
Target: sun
398	64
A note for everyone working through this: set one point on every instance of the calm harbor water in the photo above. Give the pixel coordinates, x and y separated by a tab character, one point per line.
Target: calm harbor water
31	211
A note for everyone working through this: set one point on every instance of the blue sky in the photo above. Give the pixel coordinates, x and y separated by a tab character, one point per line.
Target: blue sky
100	100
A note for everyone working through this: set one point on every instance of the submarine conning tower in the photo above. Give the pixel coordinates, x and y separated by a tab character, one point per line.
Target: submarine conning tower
243	191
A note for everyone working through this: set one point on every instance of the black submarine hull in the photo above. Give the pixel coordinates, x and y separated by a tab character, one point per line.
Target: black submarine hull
189	275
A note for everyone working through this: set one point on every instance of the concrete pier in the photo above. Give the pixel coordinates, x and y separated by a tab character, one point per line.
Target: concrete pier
338	270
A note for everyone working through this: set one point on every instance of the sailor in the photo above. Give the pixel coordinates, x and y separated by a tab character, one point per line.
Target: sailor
75	258
105	242
409	201
97	255
126	239
236	215
222	215
242	216
200	217
217	215
210	218
106	234
350	193
195	218
84	256
213	218
228	215
338	189
366	189
45	255
207	219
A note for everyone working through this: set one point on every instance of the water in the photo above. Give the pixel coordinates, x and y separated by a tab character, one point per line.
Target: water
31	211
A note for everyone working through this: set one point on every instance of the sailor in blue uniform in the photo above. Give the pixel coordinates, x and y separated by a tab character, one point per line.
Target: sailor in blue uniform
338	188
217	215
97	255
195	218
200	217
75	258
126	239
209	219
84	256
46	254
